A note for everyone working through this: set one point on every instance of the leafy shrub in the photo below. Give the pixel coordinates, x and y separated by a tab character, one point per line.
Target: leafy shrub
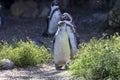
98	60
4	48
25	53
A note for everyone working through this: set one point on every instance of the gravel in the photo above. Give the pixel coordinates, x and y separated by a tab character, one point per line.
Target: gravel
45	72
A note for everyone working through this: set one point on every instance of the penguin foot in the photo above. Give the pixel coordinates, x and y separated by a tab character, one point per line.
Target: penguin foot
60	67
57	67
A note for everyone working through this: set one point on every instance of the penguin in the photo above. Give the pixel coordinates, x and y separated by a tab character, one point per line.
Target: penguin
67	18
61	47
53	19
64	43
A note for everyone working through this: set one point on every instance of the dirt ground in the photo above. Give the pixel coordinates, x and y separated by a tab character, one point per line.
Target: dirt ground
45	72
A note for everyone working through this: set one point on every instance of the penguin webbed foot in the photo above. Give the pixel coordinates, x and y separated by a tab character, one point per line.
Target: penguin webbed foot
62	67
58	67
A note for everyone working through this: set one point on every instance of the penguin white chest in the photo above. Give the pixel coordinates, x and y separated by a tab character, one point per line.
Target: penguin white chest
62	48
53	22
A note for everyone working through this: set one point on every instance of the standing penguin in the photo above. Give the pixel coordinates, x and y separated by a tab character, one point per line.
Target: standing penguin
53	19
72	33
64	43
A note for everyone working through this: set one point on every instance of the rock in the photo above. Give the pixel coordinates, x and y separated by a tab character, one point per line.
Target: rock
30	10
44	13
18	8
44	9
114	18
6	64
24	9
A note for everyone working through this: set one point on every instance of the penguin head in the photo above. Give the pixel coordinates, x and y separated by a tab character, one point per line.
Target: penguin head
55	2
54	5
66	17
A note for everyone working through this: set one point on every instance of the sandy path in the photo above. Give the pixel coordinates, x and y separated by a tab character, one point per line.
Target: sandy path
45	72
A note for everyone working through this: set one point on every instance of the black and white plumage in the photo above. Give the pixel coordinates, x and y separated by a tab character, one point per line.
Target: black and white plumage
65	41
67	18
53	18
61	46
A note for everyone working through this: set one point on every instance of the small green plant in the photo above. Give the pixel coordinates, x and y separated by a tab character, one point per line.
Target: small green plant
25	54
4	48
98	60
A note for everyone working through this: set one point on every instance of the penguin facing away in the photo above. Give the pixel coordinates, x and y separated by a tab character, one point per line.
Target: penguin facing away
65	43
53	19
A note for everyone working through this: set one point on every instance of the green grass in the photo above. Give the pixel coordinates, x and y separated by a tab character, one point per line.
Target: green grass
24	54
98	59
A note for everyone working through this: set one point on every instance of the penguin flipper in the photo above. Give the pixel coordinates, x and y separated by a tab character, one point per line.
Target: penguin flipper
53	41
72	40
77	40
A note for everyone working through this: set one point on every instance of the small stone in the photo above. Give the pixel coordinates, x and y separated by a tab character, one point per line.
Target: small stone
6	64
